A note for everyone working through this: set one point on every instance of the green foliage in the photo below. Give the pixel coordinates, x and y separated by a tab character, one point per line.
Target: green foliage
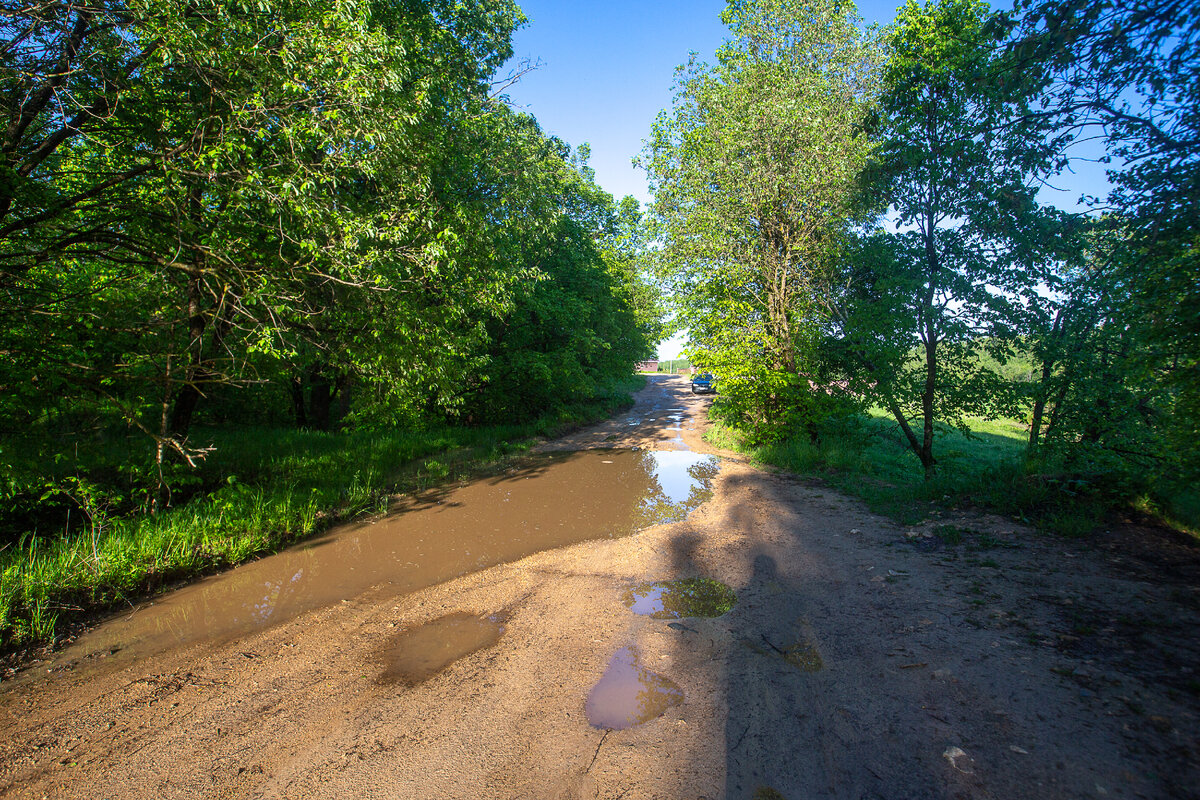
583	320
957	162
753	174
279	209
865	457
973	303
1128	74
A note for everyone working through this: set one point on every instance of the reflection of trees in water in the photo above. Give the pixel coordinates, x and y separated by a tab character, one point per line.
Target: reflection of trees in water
629	694
655	696
658	505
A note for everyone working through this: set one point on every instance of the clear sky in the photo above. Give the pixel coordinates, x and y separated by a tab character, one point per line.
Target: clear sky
607	68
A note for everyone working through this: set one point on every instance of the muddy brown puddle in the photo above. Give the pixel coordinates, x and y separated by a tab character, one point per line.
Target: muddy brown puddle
545	502
628	694
417	654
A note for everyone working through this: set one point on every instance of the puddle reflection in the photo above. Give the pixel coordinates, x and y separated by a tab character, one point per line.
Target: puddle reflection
629	694
686	597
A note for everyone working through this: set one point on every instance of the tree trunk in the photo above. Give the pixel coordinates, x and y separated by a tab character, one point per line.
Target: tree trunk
189	394
1048	363
296	386
320	399
313	392
929	336
926	452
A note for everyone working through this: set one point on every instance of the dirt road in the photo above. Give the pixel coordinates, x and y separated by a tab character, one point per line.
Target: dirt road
861	660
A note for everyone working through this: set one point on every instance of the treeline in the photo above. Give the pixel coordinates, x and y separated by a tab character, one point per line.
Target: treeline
284	212
854	218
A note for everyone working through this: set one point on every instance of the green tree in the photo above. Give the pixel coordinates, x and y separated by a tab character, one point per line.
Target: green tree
958	165
753	175
1129	73
574	325
236	171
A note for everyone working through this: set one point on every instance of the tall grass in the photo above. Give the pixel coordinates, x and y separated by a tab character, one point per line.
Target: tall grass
263	489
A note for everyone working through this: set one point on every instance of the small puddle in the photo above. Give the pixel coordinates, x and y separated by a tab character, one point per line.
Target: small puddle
629	694
417	654
541	503
687	597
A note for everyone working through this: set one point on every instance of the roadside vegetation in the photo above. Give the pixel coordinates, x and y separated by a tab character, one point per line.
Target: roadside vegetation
259	259
857	231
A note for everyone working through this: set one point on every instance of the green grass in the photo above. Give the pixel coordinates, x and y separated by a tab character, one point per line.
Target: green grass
262	489
866	457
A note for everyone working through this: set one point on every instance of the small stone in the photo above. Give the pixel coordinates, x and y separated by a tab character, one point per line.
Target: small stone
855	530
1161	724
1020	750
956	754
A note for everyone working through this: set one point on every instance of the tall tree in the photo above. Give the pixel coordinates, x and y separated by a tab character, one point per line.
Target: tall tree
234	170
753	177
959	165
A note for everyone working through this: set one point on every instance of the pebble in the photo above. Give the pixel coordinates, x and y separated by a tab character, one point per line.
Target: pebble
953	754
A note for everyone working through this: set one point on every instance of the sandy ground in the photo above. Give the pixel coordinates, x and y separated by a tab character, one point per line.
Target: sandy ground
1008	665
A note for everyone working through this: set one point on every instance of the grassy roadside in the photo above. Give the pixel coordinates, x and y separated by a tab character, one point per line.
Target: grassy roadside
276	487
866	458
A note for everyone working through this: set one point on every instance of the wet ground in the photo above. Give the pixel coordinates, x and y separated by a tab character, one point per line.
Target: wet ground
643	625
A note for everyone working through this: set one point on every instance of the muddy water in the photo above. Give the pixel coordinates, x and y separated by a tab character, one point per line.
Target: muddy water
628	694
417	654
546	502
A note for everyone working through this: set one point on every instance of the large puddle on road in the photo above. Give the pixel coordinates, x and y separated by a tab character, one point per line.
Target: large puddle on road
628	694
545	502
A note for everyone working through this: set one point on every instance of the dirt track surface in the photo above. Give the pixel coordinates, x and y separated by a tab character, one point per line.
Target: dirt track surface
1008	665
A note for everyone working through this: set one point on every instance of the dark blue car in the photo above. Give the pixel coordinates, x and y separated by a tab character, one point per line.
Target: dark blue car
702	383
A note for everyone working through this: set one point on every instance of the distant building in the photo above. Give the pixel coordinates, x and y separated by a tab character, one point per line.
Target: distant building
648	366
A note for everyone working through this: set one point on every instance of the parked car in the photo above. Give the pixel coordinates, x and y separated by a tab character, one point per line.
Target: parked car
703	383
